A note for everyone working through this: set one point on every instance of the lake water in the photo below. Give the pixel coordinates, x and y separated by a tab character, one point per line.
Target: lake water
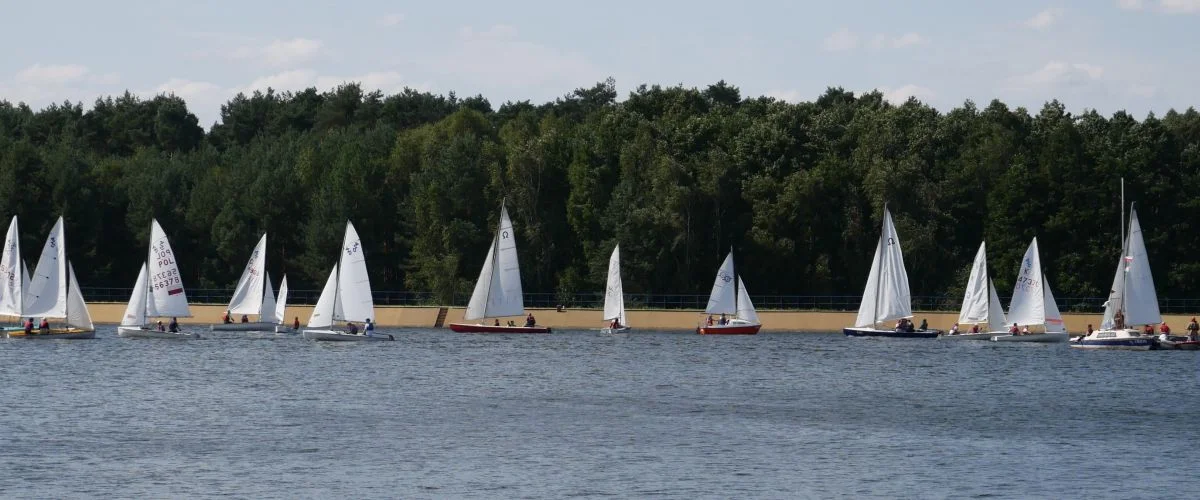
575	414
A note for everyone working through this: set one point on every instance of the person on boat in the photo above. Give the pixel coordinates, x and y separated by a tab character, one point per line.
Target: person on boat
295	322
1014	330
1025	330
616	323
497	322
953	329
1148	330
29	326
1090	330
1193	329
529	321
1119	320
245	319
710	320
925	324
900	324
1164	329
173	327
159	326
370	328
352	328
44	326
724	320
510	323
226	319
975	328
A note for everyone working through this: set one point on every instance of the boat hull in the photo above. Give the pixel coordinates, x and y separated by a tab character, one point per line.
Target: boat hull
286	329
728	329
1049	337
610	331
257	326
336	336
874	332
54	333
465	328
1115	339
1177	344
968	336
133	332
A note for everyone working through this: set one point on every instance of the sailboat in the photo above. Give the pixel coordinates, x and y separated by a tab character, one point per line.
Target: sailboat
281	309
53	293
346	296
728	299
614	296
980	304
1131	301
252	295
157	293
886	296
498	290
1032	303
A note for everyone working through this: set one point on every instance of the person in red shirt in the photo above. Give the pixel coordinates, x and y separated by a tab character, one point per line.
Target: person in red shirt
1163	328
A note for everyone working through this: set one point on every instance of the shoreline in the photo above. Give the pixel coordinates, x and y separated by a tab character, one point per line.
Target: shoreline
109	313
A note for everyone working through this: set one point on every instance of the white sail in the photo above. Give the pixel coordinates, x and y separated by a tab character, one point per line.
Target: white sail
77	311
1141	302
47	297
12	294
322	315
24	278
886	296
976	299
614	291
745	308
135	312
166	284
354	286
281	302
498	289
995	316
1054	321
1028	305
723	298
266	312
248	294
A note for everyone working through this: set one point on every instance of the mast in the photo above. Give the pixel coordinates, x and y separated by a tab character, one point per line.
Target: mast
879	271
487	297
337	277
149	255
735	281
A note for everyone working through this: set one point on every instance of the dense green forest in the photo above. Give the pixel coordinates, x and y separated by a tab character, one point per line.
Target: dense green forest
676	175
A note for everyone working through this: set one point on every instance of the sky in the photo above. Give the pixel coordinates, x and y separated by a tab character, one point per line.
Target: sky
1135	55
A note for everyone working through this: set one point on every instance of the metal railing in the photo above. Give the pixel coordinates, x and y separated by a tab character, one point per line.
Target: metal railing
649	300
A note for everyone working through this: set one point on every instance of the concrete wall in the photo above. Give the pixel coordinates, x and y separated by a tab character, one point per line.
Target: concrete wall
794	321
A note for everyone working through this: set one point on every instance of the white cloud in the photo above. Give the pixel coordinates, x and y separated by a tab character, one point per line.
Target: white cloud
1143	90
900	95
792	96
297	79
1131	4
187	89
907	39
280	52
389	82
53	74
497	56
1180	6
840	40
1058	72
1044	19
391	20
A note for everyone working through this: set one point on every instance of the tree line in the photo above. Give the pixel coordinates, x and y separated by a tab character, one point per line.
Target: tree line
678	176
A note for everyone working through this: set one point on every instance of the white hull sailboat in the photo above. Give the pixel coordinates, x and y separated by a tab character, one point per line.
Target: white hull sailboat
1131	301
1033	304
252	295
346	297
52	292
980	305
886	296
157	293
730	299
614	297
497	292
